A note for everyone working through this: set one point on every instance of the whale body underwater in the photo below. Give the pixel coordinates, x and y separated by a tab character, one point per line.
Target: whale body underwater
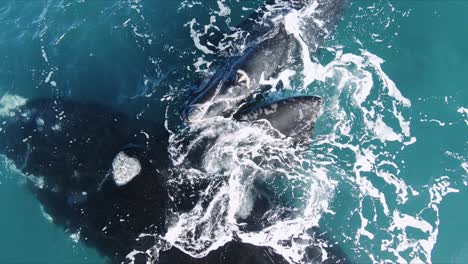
100	173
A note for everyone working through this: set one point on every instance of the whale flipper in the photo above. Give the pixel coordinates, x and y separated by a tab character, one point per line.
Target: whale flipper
293	117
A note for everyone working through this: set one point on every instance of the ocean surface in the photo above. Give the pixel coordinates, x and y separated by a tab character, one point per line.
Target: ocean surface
386	175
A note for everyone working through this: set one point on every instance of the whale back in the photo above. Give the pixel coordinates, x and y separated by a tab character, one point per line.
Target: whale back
293	117
76	155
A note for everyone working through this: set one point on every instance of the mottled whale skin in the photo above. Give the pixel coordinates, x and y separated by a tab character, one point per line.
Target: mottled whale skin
269	50
72	152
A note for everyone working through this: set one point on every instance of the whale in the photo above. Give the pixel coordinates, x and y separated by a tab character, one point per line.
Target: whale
72	151
241	78
103	175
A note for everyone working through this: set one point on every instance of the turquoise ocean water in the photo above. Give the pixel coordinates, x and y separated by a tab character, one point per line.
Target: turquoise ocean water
129	54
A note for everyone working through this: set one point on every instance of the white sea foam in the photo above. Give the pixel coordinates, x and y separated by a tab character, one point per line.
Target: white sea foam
238	149
464	112
76	236
196	37
47	216
10	102
223	9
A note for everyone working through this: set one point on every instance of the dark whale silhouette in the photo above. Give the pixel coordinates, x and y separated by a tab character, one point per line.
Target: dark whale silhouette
73	145
104	175
71	150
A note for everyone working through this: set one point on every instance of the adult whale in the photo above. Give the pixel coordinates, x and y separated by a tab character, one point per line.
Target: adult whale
104	176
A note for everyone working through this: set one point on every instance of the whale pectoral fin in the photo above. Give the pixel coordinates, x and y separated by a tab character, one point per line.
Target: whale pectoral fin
293	117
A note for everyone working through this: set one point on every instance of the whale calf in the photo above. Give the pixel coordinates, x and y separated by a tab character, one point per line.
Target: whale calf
271	50
105	176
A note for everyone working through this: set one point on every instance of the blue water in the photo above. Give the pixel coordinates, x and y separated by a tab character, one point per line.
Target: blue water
425	53
130	54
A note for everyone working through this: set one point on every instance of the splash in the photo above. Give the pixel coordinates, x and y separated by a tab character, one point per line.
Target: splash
362	134
242	159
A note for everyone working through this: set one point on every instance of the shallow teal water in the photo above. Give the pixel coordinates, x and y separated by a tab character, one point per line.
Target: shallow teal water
27	236
102	57
425	54
432	47
437	66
